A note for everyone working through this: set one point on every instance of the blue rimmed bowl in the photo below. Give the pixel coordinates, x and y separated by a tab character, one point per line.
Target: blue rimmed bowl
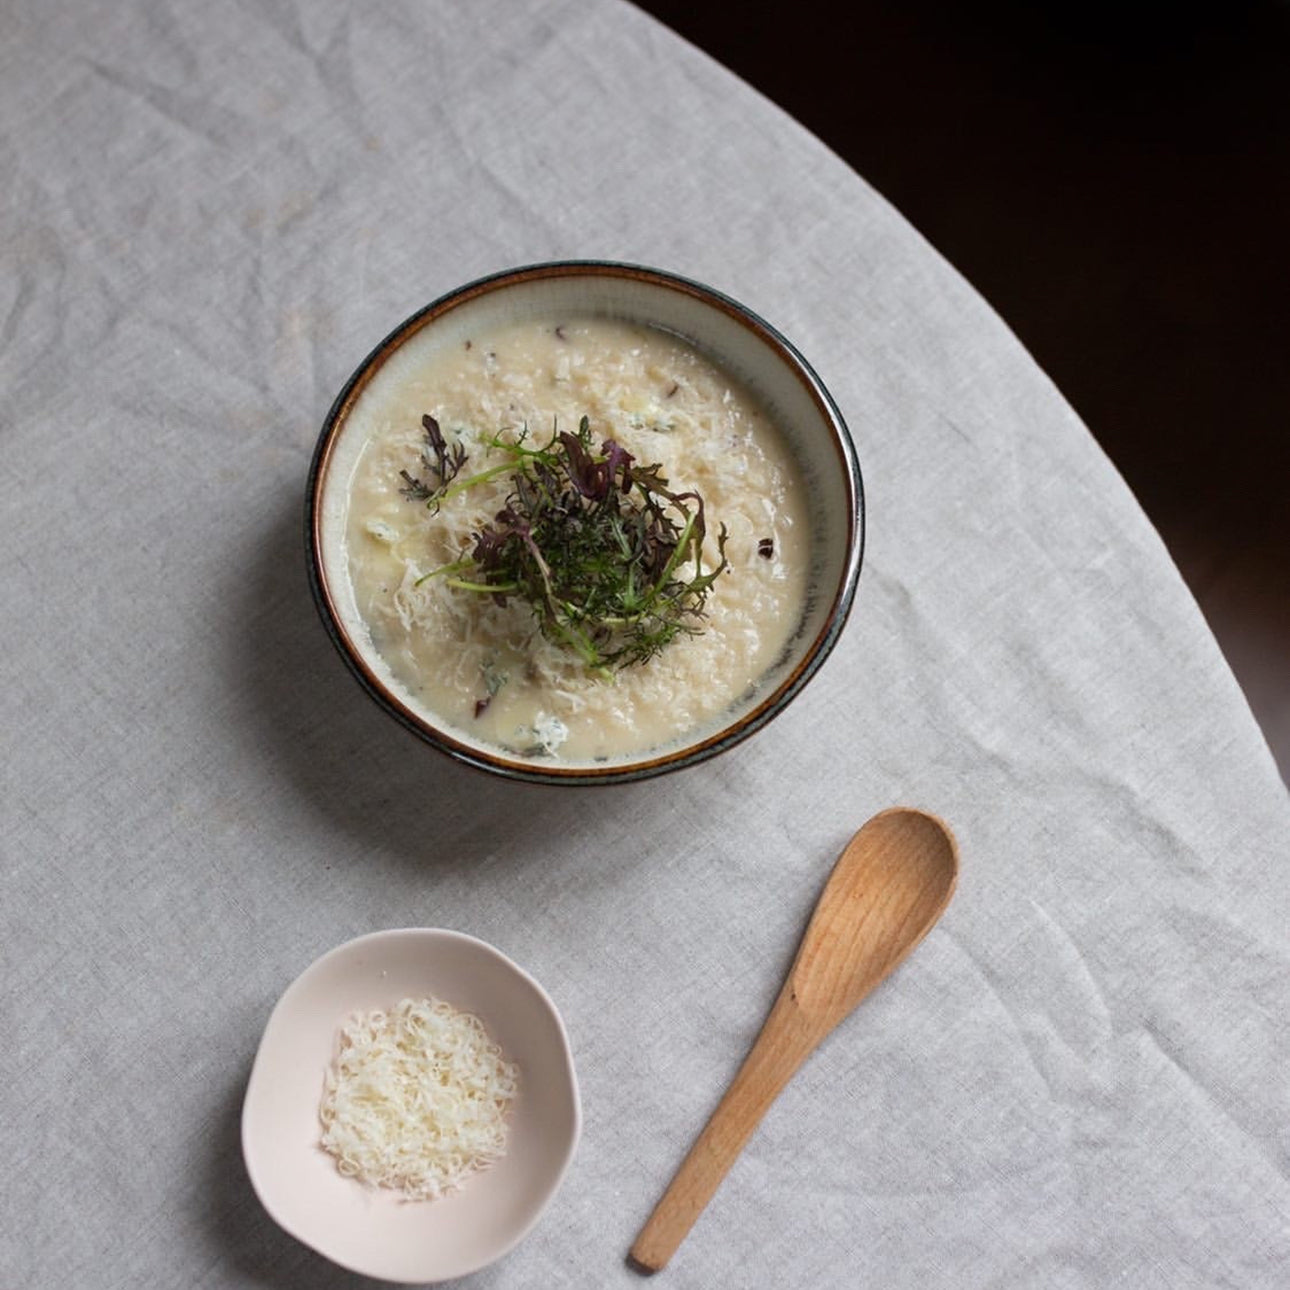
726	333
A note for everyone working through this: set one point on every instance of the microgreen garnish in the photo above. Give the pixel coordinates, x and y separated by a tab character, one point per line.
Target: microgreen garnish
607	556
440	461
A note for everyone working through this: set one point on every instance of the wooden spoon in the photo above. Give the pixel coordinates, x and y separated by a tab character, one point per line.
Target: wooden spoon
886	891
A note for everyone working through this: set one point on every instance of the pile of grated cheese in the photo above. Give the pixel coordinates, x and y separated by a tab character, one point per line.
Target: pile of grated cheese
417	1098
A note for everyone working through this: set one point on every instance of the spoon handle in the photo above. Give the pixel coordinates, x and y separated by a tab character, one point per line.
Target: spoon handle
785	1041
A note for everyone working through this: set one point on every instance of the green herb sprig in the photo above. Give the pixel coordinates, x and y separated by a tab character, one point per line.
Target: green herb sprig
608	557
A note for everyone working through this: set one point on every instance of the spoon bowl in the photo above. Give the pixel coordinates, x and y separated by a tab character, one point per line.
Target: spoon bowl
888	888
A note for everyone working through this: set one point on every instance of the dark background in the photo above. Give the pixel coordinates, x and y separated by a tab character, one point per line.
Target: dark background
1115	180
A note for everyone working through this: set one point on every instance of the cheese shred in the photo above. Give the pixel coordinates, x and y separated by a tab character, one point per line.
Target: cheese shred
416	1099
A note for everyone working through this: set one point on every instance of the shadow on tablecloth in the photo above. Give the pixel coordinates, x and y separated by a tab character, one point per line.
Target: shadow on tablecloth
307	719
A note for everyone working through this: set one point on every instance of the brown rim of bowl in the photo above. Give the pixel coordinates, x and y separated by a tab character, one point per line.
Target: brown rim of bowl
498	762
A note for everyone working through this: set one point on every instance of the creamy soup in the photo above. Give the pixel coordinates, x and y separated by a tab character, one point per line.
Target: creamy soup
484	667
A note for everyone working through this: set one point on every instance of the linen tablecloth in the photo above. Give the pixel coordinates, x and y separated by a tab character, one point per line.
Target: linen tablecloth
211	212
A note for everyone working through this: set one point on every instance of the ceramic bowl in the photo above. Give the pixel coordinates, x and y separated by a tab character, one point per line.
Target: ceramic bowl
725	332
372	1230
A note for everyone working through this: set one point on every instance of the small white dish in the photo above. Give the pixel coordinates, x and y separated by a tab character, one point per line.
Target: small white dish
370	1230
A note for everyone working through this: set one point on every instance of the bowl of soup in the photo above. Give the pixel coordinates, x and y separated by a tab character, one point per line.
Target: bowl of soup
584	522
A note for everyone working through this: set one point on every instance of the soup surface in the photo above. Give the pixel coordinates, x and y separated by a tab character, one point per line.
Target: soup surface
484	667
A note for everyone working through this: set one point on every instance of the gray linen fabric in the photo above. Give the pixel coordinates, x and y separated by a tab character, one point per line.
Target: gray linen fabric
210	213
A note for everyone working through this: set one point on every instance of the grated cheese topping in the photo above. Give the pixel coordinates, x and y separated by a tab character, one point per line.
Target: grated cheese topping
417	1098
